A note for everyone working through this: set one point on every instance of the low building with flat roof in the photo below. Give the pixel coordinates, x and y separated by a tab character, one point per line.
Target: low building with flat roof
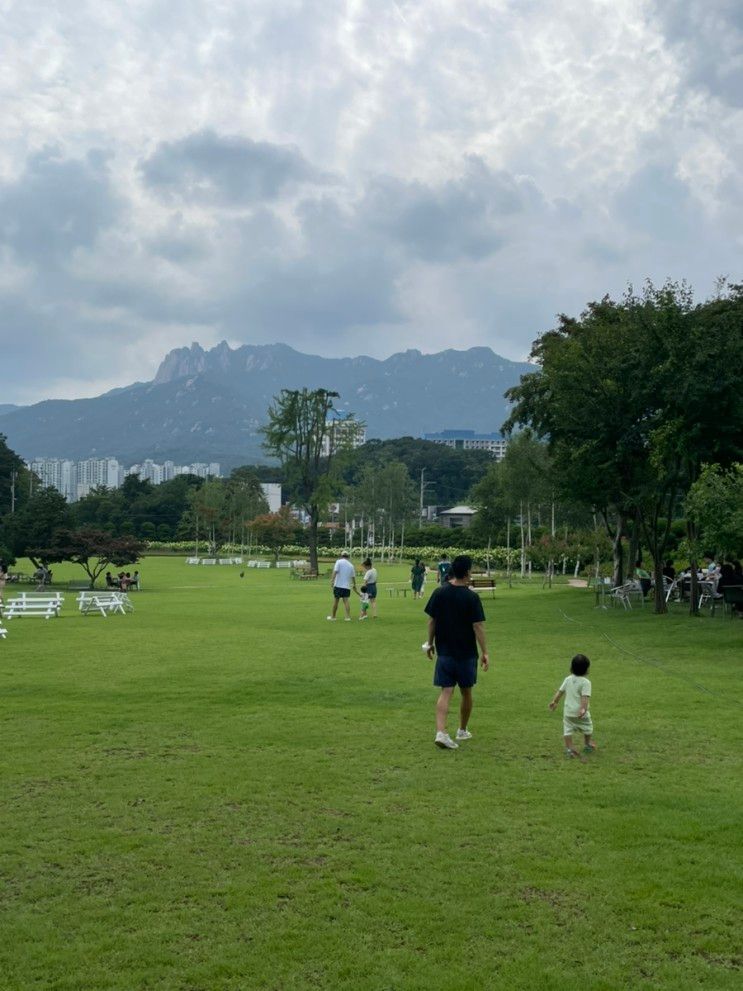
457	517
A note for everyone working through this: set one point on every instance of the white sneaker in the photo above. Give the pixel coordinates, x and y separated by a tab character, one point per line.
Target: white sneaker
464	734
330	618
348	619
444	741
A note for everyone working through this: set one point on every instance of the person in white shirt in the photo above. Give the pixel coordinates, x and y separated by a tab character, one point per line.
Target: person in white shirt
576	718
342	581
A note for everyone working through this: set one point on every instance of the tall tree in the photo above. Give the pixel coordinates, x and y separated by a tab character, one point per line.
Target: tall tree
632	396
17	483
36	523
301	425
244	501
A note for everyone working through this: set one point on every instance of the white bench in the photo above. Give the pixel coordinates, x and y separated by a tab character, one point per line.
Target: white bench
192	560
263	564
208	560
284	564
104	602
3	632
57	596
45	606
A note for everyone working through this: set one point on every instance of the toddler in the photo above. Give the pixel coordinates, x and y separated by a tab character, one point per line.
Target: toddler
364	596
576	718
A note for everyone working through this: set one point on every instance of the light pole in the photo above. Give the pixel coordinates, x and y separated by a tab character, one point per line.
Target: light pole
424	486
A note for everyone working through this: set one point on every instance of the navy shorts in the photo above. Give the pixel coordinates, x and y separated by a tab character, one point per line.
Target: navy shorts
371	590
450	672
341	593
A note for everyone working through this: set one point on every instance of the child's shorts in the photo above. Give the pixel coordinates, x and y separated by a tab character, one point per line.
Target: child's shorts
577	724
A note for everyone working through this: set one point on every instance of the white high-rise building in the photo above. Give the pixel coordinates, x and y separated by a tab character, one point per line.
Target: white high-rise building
95	472
272	492
57	473
75	479
152	472
342	434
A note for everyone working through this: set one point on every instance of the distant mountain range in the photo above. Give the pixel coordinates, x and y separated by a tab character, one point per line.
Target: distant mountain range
209	405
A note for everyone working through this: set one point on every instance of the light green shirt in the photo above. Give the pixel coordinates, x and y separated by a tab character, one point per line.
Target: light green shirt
574	687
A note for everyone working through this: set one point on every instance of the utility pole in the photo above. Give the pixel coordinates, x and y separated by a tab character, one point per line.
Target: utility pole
424	486
13	477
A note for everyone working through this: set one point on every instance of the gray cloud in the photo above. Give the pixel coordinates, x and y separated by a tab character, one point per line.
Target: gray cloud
223	169
461	218
351	178
57	205
709	35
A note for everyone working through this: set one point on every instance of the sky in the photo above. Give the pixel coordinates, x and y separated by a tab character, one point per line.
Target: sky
351	176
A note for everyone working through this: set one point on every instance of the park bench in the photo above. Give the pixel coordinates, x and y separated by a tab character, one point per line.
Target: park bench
27	604
208	560
192	560
104	602
483	583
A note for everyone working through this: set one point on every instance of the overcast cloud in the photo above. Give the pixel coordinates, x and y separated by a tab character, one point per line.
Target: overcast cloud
351	176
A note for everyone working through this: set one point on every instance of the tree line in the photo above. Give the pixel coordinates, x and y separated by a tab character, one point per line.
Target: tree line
633	399
627	439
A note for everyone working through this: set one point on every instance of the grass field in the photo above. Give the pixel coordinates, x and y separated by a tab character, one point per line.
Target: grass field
224	791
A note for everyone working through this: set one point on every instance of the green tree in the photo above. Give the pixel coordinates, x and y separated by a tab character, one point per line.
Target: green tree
631	397
275	529
208	505
244	502
714	504
36	523
299	434
93	550
17	483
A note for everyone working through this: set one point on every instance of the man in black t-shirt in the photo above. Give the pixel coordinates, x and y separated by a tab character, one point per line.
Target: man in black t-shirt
455	630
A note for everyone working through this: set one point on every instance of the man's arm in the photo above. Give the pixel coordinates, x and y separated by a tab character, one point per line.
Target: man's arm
479	629
558	695
430	637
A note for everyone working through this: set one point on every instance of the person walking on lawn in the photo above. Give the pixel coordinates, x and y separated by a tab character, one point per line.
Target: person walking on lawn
456	628
342	581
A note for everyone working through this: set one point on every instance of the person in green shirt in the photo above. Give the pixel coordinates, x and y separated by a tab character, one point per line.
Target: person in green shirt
576	689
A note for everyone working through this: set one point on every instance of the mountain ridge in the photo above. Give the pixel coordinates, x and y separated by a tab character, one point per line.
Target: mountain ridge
208	405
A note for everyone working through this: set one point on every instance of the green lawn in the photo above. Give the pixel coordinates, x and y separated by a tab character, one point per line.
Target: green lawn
224	791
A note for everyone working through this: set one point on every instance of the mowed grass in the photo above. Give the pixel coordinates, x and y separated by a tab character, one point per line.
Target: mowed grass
225	791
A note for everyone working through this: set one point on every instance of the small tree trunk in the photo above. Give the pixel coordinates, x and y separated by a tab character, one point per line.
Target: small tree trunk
617	549
508	550
312	540
660	597
523	545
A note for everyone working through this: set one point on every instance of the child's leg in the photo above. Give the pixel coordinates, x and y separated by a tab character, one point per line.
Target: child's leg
569	745
588	741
